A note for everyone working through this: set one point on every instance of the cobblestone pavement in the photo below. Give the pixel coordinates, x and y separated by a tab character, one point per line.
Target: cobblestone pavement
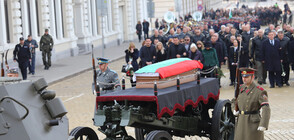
79	101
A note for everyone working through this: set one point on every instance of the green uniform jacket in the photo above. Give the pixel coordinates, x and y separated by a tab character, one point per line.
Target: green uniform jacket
46	43
210	57
252	98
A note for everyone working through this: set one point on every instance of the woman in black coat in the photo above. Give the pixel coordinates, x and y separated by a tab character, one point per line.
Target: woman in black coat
132	54
139	30
160	52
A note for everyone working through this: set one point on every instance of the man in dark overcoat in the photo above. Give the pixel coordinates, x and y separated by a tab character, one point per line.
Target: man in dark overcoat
176	50
284	41
271	57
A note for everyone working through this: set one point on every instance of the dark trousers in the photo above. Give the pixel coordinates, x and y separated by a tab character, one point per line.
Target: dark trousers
46	56
146	35
139	37
275	77
286	68
233	73
32	64
23	66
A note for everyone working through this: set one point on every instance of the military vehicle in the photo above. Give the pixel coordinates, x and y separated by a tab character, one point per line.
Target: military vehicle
187	109
28	111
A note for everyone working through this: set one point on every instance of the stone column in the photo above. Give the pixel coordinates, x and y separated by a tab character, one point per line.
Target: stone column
33	19
89	11
139	10
129	16
14	17
81	25
24	18
3	36
68	19
94	18
115	15
59	26
48	19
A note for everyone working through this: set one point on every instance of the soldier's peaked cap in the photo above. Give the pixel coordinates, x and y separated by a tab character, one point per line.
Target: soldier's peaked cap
245	72
102	60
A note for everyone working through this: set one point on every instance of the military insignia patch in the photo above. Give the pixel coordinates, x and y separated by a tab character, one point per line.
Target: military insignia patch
264	97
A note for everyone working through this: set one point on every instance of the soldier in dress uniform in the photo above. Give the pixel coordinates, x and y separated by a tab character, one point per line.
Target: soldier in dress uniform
106	78
250	124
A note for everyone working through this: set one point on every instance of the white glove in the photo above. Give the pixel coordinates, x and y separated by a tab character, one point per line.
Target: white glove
236	113
260	128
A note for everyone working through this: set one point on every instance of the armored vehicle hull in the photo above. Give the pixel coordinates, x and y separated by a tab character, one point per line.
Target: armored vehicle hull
30	112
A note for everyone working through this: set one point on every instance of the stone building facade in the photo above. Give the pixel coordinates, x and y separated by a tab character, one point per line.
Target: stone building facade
75	25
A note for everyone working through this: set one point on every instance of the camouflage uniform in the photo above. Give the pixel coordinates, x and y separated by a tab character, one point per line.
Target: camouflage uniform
46	46
109	76
250	100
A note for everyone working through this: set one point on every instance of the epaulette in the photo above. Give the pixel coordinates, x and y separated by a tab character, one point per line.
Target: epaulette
259	87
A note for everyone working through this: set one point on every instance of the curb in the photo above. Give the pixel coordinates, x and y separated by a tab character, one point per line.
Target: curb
78	73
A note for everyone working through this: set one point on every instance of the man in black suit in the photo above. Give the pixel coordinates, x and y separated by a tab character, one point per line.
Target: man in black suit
256	55
146	29
272	59
176	50
147	53
284	41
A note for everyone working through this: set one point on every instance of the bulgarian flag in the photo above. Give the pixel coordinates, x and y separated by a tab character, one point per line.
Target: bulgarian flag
170	67
230	14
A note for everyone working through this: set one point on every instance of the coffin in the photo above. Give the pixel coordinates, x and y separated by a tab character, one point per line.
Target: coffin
166	73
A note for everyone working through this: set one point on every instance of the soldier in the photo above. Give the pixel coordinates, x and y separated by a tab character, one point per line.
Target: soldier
22	55
107	78
250	124
46	46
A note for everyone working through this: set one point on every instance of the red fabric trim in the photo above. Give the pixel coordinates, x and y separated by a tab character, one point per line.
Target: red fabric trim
178	68
259	87
188	102
154	98
122	98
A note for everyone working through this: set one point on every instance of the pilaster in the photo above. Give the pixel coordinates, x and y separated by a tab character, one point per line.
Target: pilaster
3	36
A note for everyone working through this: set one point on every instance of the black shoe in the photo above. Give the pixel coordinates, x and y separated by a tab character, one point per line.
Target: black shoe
264	82
272	86
259	82
30	72
231	84
287	83
280	86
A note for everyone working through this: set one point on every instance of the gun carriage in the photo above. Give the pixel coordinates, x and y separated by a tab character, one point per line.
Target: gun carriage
182	109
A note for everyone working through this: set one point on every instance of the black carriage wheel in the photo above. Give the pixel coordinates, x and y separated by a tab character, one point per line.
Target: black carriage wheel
158	135
83	133
223	121
140	133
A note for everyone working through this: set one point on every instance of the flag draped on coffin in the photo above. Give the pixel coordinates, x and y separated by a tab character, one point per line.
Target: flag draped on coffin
171	67
230	14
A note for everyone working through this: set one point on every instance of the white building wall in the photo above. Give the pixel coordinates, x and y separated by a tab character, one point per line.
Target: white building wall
74	24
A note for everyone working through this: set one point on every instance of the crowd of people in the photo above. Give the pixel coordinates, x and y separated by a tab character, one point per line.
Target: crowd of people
216	41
